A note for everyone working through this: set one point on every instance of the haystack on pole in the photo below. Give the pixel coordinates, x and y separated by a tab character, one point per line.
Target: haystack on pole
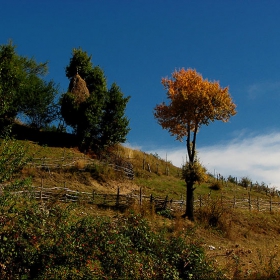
79	88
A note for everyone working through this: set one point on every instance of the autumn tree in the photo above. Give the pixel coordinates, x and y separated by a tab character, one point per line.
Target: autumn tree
193	102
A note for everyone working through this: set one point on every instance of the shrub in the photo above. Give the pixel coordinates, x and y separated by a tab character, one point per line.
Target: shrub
215	215
42	243
231	179
245	182
216	186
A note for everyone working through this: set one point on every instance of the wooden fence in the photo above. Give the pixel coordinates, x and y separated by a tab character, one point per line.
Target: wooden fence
119	200
247	203
81	163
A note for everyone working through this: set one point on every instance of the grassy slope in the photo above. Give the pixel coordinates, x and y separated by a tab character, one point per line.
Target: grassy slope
245	242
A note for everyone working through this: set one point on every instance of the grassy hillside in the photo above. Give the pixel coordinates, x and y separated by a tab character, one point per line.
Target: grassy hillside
243	242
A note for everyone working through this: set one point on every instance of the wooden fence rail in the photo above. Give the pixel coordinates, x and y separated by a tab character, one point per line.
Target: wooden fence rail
119	200
67	162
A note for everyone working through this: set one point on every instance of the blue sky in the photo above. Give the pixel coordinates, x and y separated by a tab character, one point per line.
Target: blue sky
136	43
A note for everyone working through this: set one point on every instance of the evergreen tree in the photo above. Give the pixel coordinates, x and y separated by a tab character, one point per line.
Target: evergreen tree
114	122
92	117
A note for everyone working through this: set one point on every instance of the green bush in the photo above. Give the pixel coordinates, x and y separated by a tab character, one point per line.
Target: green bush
42	243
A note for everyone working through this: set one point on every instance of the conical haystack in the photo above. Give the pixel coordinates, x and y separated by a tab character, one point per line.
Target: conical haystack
79	87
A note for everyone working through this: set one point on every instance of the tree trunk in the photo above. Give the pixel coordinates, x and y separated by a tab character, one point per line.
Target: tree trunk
190	202
190	176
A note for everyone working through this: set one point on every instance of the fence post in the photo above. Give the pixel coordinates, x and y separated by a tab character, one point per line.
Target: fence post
64	186
165	202
41	192
182	202
140	198
249	200
118	198
78	196
167	171
200	201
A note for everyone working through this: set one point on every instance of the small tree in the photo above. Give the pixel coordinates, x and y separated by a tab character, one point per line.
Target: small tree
12	77
245	182
39	106
114	123
194	102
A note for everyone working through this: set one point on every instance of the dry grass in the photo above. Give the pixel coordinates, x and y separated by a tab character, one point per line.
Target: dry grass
246	244
79	88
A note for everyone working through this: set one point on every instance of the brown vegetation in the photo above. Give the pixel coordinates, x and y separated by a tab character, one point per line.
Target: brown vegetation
245	244
79	88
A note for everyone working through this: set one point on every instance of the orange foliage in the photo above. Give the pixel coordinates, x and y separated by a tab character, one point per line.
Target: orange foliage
194	101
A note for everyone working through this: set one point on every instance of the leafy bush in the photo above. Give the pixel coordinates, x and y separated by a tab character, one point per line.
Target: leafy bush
52	243
216	186
194	171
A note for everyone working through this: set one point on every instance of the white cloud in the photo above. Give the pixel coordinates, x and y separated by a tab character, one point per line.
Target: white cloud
263	89
254	156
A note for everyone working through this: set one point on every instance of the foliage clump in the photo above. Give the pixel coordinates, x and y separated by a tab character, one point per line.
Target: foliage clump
23	91
194	172
216	185
96	113
40	243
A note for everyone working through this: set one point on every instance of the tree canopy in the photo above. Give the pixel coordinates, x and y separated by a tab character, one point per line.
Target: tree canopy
96	114
23	90
193	102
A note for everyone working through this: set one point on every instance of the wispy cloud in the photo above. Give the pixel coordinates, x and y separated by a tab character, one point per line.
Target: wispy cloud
263	89
255	156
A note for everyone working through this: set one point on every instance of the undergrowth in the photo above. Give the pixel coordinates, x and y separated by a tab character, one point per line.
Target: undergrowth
40	241
62	241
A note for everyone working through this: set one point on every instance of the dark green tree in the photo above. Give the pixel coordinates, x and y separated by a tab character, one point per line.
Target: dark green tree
11	78
114	122
23	90
38	105
90	110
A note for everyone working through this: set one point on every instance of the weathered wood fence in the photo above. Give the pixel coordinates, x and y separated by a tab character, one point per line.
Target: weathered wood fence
81	163
247	203
119	200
